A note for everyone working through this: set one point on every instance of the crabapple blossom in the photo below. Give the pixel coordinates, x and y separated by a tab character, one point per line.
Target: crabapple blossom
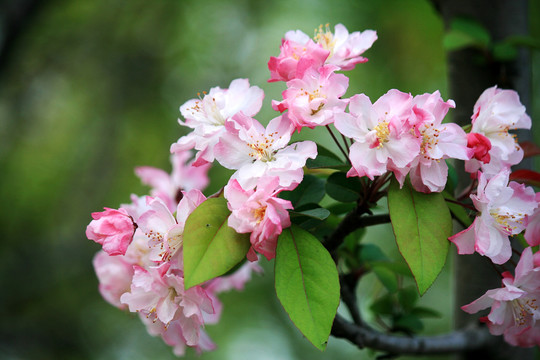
514	307
532	232
428	171
114	274
158	293
165	232
297	50
345	49
382	133
495	113
113	229
207	116
314	97
503	209
480	145
184	176
173	335
256	152
259	212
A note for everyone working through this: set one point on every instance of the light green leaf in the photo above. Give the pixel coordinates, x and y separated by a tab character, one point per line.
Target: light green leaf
422	225
307	284
211	247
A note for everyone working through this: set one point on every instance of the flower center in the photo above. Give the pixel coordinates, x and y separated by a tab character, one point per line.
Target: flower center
259	213
207	107
523	309
263	149
325	38
507	221
430	139
382	132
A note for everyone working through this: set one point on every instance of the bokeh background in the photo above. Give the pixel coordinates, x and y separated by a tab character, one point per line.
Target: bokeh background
91	89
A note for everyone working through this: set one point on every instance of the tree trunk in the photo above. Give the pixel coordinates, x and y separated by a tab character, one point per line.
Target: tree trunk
470	72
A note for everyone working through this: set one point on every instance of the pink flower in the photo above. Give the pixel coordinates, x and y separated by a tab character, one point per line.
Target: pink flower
495	113
114	274
297	50
532	232
236	280
113	229
429	171
184	176
259	212
314	97
173	335
514	307
503	211
256	152
163	230
158	293
480	145
345	49
207	116
382	132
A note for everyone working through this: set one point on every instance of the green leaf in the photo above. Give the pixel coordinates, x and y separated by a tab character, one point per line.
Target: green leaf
370	253
307	284
407	298
424	312
409	323
466	33
342	188
422	225
318	213
387	277
504	51
341	208
310	190
384	305
211	247
326	159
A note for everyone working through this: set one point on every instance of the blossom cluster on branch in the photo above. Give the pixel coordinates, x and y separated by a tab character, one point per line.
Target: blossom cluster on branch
167	256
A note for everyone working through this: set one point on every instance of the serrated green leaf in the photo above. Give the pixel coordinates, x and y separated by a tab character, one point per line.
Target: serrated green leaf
310	190
307	284
326	159
422	225
211	247
342	188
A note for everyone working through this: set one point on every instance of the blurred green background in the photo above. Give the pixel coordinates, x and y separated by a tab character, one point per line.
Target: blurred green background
91	89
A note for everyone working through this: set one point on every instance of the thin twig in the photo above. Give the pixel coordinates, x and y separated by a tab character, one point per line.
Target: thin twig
337	143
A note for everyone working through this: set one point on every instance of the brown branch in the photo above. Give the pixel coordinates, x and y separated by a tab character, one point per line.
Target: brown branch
457	341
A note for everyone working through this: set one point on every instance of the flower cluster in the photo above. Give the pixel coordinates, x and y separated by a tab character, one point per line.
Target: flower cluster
141	268
141	265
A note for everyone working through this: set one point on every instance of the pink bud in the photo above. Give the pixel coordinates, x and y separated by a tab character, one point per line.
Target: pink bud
113	229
